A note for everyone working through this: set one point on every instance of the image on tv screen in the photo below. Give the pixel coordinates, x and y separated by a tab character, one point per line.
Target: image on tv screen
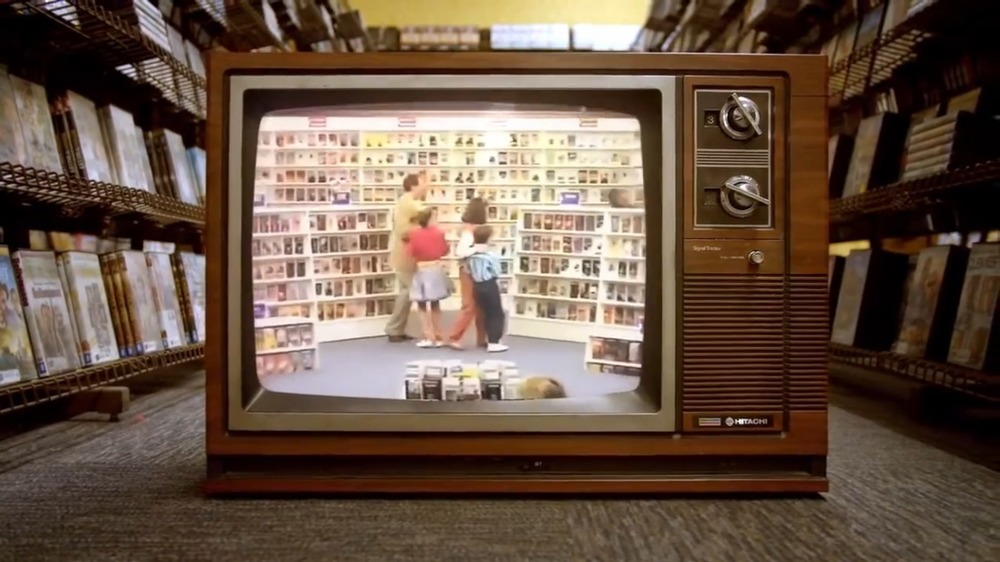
439	254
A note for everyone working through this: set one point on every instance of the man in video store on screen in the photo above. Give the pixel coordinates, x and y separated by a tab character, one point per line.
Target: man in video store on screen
403	213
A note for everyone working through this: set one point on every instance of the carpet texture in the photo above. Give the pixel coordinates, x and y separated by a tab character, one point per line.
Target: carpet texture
88	490
371	368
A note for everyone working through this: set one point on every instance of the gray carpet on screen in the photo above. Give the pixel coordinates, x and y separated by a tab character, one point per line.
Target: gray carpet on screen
88	490
374	368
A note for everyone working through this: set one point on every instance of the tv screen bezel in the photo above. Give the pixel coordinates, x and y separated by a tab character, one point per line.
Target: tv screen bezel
651	407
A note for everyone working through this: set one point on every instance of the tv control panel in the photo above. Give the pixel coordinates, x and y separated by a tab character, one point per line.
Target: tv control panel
733	158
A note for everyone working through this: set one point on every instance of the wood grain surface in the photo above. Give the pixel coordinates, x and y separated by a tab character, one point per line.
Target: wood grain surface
752	340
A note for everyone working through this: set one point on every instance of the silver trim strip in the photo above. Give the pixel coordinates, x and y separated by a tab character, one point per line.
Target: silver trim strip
727	158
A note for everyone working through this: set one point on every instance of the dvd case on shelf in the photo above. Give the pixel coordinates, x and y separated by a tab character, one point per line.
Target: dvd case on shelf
64	132
615	355
582	269
17	360
46	311
455	381
975	341
285	345
84	283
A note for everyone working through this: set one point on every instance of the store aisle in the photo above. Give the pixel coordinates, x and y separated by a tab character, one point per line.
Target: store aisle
346	368
90	490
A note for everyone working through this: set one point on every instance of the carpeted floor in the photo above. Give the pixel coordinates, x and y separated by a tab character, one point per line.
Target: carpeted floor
373	368
88	490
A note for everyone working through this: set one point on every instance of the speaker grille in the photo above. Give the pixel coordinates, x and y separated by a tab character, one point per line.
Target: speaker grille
733	343
732	158
808	343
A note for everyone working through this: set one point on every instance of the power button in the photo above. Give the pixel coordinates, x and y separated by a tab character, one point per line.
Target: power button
755	257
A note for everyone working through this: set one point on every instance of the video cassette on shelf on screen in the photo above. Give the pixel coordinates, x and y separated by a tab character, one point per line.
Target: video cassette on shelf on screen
285	363
453	380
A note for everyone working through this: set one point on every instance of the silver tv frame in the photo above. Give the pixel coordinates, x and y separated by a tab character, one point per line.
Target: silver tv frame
619	412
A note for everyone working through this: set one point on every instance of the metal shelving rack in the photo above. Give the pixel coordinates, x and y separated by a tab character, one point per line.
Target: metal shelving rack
19	397
962	199
85	29
84	44
971	383
77	196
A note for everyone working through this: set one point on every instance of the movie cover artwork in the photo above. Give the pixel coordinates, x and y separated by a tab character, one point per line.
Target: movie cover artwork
92	146
17	361
85	282
852	288
139	287
921	302
165	298
12	147
47	313
859	172
41	149
978	304
194	275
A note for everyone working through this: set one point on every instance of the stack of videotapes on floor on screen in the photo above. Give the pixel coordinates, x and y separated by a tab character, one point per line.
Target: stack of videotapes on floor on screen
454	381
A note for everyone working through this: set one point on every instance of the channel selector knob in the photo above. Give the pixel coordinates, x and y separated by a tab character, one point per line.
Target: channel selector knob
755	257
740	196
740	118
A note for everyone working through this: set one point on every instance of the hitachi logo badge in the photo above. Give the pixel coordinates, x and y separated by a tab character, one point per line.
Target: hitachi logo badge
751	422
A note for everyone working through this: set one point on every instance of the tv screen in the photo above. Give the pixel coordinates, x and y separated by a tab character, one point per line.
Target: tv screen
451	253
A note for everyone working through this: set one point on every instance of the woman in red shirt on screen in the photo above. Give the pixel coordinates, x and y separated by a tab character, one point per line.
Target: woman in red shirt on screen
427	245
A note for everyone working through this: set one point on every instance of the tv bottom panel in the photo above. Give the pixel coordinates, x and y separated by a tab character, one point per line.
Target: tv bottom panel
786	459
723	474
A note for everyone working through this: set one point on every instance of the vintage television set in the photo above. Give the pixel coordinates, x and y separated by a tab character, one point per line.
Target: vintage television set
658	231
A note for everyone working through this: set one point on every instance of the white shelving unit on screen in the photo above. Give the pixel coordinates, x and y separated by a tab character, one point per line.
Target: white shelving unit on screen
339	166
580	274
285	345
328	264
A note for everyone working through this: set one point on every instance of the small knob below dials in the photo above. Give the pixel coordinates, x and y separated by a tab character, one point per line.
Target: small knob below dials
740	196
739	118
755	257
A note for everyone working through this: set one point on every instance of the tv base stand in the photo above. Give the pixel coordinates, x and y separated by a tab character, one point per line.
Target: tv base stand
514	475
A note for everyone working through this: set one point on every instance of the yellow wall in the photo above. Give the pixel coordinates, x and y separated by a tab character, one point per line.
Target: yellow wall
483	13
844	248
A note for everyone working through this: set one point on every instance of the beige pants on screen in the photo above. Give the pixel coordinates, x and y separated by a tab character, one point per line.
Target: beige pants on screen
396	326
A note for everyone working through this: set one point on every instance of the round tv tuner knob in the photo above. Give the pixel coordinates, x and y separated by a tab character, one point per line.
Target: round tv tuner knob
740	196
756	257
740	118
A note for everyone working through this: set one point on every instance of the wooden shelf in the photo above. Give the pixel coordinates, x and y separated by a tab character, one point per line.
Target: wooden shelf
75	196
20	396
972	383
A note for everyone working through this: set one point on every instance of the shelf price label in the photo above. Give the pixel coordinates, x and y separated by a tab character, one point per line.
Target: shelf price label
569	197
317	122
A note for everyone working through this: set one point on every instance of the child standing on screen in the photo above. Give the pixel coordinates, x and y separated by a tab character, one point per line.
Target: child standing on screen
426	244
474	215
484	269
